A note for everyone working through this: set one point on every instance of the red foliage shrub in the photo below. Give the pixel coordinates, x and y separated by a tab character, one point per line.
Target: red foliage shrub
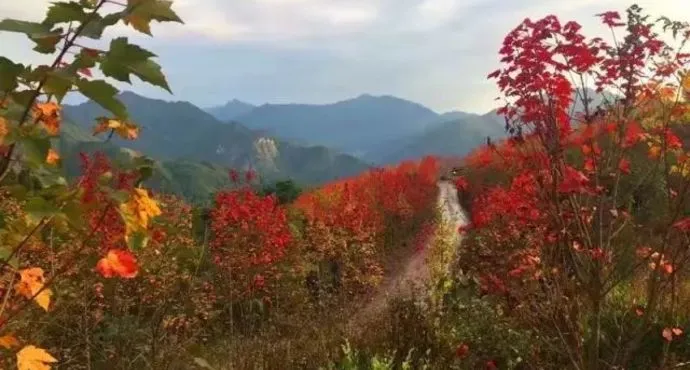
250	235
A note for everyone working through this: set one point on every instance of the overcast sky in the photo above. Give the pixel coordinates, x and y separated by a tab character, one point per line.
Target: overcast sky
435	52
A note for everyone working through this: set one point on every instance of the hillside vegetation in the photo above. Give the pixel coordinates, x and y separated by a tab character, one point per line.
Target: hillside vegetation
142	234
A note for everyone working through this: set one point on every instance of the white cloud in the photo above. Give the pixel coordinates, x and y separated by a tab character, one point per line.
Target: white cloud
437	52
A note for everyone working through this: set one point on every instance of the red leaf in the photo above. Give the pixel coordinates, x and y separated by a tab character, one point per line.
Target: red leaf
624	166
462	351
118	262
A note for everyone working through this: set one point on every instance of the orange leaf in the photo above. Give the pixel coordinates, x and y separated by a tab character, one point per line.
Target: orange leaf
9	341
654	152
53	157
586	149
118	263
49	114
31	283
3	129
125	130
34	358
47	109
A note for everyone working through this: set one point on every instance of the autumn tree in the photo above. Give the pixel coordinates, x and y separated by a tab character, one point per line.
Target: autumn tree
566	236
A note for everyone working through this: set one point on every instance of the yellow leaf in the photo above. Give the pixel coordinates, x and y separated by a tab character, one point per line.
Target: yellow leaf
53	157
126	130
138	211
9	341
43	298
31	283
3	129
34	358
138	23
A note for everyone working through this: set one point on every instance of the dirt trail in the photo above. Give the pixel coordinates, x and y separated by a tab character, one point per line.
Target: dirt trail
414	271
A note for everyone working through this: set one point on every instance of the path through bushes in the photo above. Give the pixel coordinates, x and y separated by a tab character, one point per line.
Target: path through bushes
414	272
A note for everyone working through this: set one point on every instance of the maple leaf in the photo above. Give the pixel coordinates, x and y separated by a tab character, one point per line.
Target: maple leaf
31	283
118	263
138	211
9	341
126	130
142	12
53	157
49	114
34	358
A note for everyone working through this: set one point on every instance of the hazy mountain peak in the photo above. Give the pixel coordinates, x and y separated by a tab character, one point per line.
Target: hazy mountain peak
230	110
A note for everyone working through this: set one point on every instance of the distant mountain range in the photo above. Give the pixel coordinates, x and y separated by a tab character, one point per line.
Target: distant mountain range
195	150
308	143
378	129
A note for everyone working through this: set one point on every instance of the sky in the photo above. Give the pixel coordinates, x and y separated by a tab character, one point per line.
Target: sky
434	52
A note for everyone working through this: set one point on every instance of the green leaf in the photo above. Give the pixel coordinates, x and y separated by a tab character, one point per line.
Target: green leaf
84	60
40	33
22	97
91	4
49	177
137	241
5	252
119	196
74	214
102	93
94	29
122	53
140	13
58	83
28	28
46	43
65	13
35	149
38	208
9	71
17	191
124	59
149	71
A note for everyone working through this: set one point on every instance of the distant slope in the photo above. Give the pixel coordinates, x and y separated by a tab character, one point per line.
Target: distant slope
182	137
353	126
230	110
449	138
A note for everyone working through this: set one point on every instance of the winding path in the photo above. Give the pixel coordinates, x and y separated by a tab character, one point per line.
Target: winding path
414	272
